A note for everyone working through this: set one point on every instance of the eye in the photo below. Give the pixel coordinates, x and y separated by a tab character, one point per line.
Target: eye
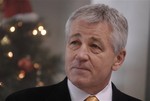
95	46
74	44
96	49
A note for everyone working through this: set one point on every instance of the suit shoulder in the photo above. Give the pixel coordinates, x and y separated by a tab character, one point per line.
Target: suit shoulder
35	93
120	96
129	98
42	93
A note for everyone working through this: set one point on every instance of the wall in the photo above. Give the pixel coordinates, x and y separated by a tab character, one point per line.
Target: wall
55	14
131	78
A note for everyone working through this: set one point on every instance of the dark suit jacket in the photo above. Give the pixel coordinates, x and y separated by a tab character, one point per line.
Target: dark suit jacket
58	92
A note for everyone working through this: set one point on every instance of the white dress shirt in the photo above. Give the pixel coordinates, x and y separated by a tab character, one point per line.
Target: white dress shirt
79	95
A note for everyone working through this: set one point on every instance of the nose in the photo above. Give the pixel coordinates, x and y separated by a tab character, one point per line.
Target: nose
82	54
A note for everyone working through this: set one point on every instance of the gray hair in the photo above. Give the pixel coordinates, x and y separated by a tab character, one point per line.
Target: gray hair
96	13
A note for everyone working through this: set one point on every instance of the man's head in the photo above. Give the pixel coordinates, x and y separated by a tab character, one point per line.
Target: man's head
96	37
99	13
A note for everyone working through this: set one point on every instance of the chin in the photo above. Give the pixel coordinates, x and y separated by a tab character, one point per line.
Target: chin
79	80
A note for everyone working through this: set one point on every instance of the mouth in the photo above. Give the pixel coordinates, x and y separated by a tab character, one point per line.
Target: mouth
81	68
80	71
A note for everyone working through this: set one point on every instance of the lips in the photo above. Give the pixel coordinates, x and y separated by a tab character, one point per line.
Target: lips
80	66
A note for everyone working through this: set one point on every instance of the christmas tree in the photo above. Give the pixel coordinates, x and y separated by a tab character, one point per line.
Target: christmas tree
24	62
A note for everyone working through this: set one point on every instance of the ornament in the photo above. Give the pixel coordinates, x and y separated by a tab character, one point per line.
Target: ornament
26	64
5	40
14	7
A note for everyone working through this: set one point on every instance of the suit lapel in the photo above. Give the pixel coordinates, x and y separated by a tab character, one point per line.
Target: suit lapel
117	95
58	92
64	91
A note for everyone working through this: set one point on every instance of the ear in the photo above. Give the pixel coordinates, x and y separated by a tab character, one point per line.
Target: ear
119	59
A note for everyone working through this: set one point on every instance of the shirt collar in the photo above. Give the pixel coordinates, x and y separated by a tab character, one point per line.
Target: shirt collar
79	95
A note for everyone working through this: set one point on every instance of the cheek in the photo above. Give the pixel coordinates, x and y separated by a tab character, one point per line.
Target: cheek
101	71
101	65
98	67
69	56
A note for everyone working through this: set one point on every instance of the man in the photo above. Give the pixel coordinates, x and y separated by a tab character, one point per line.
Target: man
96	36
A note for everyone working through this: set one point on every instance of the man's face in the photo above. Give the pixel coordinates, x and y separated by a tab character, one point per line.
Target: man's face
89	54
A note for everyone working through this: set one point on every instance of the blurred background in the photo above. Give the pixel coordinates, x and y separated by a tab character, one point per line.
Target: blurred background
32	44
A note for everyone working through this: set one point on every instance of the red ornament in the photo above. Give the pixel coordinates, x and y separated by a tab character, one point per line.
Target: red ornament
26	64
14	7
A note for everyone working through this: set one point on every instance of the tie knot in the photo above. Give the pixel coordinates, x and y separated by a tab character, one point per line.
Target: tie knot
91	98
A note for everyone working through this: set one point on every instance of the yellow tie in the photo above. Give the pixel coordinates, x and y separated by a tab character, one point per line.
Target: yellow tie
91	98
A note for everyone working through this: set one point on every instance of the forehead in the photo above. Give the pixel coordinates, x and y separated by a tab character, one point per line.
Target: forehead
85	27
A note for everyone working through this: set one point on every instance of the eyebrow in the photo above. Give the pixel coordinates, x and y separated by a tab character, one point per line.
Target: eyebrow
75	35
99	40
96	39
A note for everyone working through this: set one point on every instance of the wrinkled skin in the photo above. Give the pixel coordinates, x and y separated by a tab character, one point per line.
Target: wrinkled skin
89	56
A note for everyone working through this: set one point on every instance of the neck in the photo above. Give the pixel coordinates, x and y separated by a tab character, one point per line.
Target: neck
94	89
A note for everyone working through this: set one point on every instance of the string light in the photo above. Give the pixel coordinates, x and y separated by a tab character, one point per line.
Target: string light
12	29
39	83
10	54
43	32
40	28
1	84
21	75
36	66
38	72
34	32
